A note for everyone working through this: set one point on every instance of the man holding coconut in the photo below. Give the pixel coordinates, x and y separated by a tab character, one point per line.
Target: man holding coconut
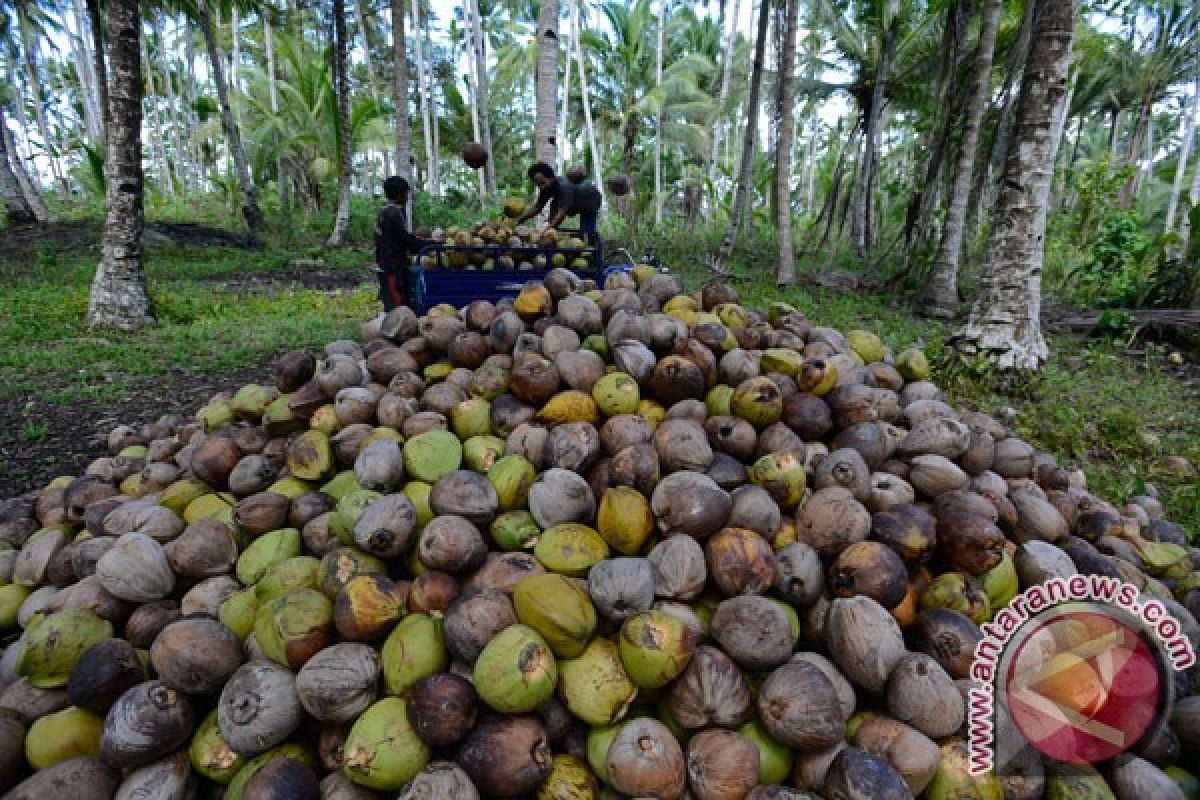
566	199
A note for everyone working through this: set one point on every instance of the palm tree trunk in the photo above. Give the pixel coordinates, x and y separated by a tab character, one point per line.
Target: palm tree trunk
1005	323
866	164
341	89
28	190
404	157
742	190
235	57
92	119
119	298
162	168
97	26
786	272
563	151
17	209
273	95
545	139
1185	151
372	80
250	210
476	131
1136	146
586	96
1185	220
33	78
941	294
481	93
428	118
658	134
723	95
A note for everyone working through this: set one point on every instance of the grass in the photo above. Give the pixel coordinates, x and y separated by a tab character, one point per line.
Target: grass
204	326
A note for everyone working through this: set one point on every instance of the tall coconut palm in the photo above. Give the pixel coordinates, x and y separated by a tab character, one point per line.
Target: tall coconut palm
874	112
1005	322
545	140
16	208
786	271
404	158
941	295
745	175
119	297
250	209
96	24
341	91
1185	151
479	59
31	22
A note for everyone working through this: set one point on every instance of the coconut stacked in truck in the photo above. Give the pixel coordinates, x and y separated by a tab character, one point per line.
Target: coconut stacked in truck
592	542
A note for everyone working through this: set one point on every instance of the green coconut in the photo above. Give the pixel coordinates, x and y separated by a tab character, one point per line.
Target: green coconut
511	477
295	752
570	548
515	530
69	733
301	572
617	393
559	609
783	476
341	485
599	740
415	649
758	401
597	344
516	671
480	453
471	417
344	565
1001	582
432	455
252	400
655	648
595	686
783	360
382	750
349	509
11	597
418	494
774	759
179	495
238	611
913	365
310	456
954	781
569	779
719	401
54	645
1076	782
280	420
214	416
266	551
294	627
210	755
867	345
625	519
959	592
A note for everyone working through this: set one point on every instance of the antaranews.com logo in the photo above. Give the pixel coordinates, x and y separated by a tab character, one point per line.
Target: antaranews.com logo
1078	667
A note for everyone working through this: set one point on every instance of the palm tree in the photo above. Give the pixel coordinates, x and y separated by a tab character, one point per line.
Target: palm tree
119	298
16	208
31	22
97	28
404	158
341	91
1005	322
545	140
941	294
1185	151
480	90
786	272
250	209
874	111
742	190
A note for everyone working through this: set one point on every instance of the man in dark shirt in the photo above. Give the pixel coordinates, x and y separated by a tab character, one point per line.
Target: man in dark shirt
394	245
566	199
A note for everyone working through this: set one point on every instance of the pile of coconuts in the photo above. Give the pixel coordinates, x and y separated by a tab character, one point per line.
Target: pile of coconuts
587	543
521	247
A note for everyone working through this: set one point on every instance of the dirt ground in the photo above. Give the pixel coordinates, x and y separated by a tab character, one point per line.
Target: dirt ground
77	433
74	236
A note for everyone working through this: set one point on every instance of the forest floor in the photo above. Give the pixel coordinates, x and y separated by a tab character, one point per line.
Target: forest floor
227	308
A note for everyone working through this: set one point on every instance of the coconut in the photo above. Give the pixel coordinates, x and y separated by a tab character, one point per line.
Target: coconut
515	672
414	649
382	750
644	759
558	609
864	640
259	708
196	670
799	576
870	569
831	520
339	683
451	544
800	707
442	709
740	561
680	571
146	723
949	637
595	686
757	632
710	691
474	619
655	648
721	764
507	756
687	502
856	774
439	780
